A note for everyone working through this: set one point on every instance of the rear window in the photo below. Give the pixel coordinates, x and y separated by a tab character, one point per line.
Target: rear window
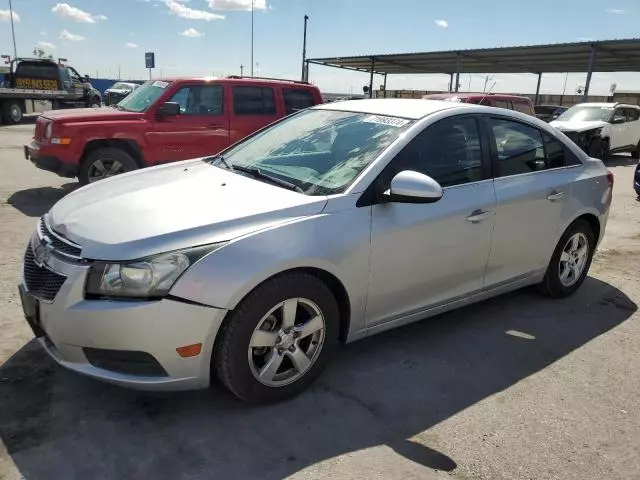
253	101
523	107
42	71
297	99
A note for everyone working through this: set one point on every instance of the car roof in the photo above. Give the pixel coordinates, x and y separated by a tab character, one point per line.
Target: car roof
598	104
475	95
394	107
248	80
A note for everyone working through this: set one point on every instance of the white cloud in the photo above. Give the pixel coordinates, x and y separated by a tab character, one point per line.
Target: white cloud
177	8
67	35
4	16
442	23
192	32
48	45
67	11
43	33
237	4
101	17
131	45
615	11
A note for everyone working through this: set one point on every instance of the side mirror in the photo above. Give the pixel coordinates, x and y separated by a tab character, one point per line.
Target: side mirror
413	187
618	120
169	108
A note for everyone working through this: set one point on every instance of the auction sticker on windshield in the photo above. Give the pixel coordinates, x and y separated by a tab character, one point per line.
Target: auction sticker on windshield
160	84
384	120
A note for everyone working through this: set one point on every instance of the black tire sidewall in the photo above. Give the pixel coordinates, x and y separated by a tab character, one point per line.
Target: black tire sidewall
230	361
107	153
6	113
551	283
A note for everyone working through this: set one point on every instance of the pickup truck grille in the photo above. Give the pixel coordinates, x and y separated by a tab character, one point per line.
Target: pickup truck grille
58	242
40	281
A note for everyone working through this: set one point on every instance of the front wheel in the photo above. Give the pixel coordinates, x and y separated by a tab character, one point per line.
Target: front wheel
105	162
570	262
599	148
278	340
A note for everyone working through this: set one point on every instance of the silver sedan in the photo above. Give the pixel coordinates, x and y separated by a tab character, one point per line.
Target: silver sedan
335	223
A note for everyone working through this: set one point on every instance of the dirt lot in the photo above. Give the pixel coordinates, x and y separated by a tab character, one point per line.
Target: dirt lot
519	387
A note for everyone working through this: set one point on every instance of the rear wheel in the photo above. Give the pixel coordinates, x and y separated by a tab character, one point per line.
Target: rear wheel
12	112
278	340
104	163
570	262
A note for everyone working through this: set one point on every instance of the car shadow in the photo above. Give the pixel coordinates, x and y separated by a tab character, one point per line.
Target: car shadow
35	202
380	391
621	161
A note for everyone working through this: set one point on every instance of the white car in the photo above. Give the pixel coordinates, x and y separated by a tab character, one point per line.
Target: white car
602	128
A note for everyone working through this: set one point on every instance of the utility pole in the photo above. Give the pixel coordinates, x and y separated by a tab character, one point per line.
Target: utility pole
13	33
252	38
304	49
241	70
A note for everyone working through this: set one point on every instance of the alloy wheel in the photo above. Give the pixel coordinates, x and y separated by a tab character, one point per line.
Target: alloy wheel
286	342
101	169
573	259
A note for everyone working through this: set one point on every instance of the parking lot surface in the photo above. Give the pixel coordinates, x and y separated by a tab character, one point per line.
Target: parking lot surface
518	387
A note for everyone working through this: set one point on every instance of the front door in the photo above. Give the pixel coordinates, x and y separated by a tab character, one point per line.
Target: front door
423	255
201	128
619	137
533	191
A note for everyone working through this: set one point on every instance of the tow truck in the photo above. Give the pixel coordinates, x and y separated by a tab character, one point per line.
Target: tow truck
36	85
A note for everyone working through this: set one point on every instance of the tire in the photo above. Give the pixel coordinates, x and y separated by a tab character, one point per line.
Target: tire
96	102
12	113
636	153
238	365
599	148
552	284
112	161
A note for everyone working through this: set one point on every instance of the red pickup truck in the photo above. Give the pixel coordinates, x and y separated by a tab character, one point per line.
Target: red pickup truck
162	121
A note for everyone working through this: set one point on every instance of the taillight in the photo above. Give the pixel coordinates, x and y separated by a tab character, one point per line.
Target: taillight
48	130
610	178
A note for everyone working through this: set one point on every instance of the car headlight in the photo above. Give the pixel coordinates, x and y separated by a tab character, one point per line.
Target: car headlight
147	278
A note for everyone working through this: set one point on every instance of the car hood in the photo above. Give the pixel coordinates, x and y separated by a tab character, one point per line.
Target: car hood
578	126
91	115
170	207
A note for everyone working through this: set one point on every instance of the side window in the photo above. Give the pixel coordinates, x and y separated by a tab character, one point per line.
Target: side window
297	99
254	101
619	116
520	148
502	104
448	151
200	100
632	114
558	155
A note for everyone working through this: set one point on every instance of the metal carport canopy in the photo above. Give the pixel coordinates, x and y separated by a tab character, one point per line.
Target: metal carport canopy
600	56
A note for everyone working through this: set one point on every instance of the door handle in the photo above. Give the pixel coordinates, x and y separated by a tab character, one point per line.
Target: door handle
479	215
552	197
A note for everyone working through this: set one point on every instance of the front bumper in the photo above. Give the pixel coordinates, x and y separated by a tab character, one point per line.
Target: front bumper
45	159
71	329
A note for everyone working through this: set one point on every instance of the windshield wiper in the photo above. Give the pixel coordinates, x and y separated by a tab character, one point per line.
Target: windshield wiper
221	159
257	173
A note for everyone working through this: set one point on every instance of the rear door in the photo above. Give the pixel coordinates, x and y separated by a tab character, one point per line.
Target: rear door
619	137
533	175
201	129
633	123
253	107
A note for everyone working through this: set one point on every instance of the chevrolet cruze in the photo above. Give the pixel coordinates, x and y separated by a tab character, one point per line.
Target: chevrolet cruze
335	223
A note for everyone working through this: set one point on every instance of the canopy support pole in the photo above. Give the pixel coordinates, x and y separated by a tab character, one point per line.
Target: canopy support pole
458	65
592	61
538	88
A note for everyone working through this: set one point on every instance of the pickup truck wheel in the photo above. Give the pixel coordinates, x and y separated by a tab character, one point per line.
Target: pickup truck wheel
95	102
12	113
104	163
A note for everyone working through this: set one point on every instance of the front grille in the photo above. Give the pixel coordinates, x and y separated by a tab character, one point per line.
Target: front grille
57	242
40	281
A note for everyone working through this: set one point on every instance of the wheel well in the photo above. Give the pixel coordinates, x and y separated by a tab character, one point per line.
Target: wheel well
129	146
340	294
593	222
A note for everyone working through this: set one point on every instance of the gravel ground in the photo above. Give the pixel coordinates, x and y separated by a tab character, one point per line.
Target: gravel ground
518	387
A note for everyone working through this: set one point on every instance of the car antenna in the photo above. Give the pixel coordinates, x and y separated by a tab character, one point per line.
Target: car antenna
488	92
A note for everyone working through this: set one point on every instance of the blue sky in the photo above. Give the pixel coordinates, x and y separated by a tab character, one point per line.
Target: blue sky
212	37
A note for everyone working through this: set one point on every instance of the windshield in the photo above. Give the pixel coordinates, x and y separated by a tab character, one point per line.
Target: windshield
142	98
319	151
121	86
580	113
